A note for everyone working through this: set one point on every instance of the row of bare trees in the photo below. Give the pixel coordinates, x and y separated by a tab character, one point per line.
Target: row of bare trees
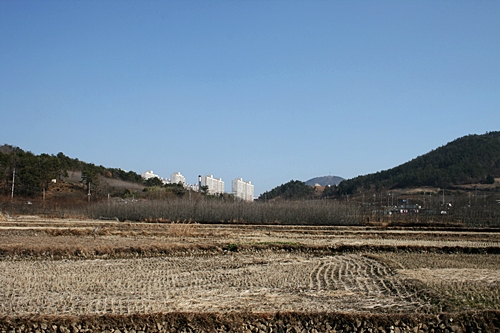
216	211
462	210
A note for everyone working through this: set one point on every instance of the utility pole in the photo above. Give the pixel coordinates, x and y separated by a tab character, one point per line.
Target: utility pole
13	181
88	195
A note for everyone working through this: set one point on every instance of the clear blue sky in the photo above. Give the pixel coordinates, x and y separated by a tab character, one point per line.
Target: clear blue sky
264	90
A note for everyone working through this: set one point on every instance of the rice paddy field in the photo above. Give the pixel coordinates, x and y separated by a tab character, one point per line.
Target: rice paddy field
72	269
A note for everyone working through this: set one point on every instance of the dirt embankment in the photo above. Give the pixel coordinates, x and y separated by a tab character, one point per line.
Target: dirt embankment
485	321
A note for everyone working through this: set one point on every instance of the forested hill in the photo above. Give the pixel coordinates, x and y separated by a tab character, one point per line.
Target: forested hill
470	159
34	172
294	189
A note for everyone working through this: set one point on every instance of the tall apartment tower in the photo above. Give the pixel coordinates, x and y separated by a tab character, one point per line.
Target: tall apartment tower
243	190
177	178
149	174
215	185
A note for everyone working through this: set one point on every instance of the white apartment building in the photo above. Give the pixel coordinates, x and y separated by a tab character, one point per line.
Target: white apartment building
149	174
177	178
243	190
215	185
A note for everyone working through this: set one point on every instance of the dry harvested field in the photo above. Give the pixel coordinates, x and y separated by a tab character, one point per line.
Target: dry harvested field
60	267
261	282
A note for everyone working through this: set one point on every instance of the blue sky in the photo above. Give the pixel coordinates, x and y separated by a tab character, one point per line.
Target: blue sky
264	90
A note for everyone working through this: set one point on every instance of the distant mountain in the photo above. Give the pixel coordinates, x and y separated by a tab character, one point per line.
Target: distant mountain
467	160
298	190
325	181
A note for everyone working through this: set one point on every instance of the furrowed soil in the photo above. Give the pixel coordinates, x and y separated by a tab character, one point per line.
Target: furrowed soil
100	275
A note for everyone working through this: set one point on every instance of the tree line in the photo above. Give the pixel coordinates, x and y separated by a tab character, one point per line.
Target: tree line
32	173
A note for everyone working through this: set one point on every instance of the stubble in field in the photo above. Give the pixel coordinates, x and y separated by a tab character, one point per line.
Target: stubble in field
257	282
463	281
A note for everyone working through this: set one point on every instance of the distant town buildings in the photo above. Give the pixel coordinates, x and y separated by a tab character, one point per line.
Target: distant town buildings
150	174
243	190
177	178
215	185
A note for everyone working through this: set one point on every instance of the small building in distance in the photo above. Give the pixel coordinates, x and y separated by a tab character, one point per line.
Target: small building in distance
215	185
149	174
177	178
243	190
